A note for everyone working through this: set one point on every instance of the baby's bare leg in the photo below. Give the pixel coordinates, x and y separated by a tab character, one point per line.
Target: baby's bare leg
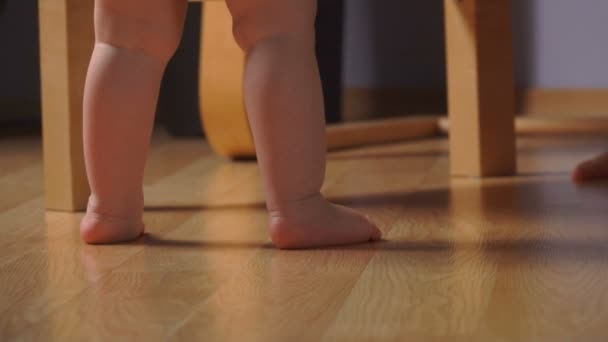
592	169
134	41
284	101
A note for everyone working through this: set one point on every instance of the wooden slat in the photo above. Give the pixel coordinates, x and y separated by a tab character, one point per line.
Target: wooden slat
380	131
564	102
550	126
480	87
66	43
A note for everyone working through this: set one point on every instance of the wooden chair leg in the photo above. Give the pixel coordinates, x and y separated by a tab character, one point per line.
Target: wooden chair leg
221	85
480	87
66	42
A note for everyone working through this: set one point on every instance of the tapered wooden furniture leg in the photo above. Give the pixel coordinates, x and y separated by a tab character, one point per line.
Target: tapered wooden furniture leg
480	87
66	43
221	84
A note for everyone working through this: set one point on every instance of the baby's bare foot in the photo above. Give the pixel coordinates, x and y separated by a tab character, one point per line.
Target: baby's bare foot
100	227
314	222
592	169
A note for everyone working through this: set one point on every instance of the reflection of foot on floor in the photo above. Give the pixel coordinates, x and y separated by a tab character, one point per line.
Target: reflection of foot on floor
592	169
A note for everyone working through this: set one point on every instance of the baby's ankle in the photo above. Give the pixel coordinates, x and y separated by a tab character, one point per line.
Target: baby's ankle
112	221
297	207
125	209
312	221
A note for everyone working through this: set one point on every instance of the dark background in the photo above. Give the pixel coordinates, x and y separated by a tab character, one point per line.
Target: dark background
178	102
387	43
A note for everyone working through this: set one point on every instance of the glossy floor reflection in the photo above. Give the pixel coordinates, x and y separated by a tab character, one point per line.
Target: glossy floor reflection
511	259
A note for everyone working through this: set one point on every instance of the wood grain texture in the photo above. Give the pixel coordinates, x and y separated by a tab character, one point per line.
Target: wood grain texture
481	87
508	259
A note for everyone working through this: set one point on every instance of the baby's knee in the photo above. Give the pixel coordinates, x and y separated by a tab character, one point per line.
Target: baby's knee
156	33
259	21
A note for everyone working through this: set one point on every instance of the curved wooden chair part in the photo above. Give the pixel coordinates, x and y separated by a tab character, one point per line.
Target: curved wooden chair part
481	90
221	101
222	106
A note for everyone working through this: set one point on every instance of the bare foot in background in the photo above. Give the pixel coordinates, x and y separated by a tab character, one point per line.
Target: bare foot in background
593	169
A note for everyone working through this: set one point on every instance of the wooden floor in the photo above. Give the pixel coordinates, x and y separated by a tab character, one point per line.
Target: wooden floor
513	259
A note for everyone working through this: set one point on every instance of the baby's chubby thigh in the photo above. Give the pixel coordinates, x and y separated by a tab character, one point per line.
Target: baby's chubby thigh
255	21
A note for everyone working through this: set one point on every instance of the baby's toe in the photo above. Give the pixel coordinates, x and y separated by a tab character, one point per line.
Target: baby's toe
376	233
592	169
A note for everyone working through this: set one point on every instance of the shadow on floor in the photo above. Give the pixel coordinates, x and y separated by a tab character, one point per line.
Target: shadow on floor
549	210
